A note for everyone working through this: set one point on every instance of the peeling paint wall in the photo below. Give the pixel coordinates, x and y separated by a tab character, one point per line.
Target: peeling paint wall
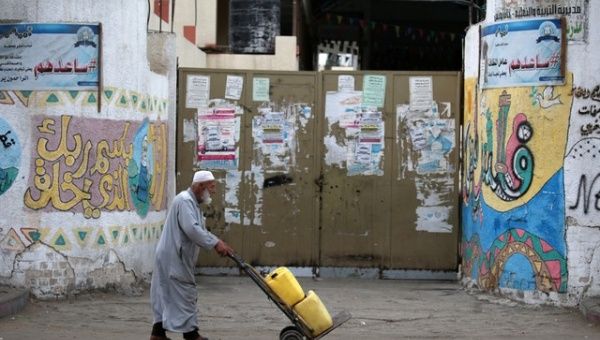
530	214
85	191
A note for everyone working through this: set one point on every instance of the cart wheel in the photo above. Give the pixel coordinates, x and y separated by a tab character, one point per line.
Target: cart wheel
291	333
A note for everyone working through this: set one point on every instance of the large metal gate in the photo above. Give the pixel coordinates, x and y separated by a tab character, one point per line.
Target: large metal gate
320	178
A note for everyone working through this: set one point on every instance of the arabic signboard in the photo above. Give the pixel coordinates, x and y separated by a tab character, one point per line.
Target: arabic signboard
49	56
523	53
576	12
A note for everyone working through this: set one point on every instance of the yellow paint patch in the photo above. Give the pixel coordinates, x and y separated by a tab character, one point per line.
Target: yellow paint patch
549	121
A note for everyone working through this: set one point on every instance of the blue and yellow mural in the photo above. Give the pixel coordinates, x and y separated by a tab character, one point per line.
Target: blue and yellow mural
513	192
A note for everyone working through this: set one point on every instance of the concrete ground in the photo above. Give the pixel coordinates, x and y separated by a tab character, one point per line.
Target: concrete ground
235	308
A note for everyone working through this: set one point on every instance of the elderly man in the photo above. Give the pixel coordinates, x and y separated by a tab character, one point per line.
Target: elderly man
173	288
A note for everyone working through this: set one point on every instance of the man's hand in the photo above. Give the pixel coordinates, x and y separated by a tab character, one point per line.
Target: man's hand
223	248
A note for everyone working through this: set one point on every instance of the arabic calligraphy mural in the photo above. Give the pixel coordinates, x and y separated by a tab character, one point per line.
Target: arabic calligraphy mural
576	12
49	56
75	169
511	174
10	156
513	207
524	52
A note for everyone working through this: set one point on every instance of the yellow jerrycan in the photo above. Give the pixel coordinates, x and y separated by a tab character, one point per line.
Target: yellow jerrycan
314	314
285	286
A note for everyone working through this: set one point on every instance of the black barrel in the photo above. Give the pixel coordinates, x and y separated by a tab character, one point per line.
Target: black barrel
253	25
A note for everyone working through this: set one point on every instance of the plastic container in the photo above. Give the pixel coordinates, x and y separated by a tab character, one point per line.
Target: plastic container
284	284
314	314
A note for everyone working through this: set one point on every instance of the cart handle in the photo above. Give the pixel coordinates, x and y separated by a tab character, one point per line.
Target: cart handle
238	260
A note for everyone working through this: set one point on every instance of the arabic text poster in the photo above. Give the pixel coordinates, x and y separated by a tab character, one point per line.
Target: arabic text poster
523	53
197	92
49	56
218	134
260	89
233	87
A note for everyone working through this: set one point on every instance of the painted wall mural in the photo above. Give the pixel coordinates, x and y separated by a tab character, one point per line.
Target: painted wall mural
76	169
581	161
10	156
513	192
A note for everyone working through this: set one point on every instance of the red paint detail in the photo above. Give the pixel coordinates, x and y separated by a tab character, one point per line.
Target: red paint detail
554	269
520	232
545	246
529	243
161	9
189	32
501	238
483	270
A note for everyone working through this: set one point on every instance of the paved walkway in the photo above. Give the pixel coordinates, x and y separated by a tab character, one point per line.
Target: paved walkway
234	308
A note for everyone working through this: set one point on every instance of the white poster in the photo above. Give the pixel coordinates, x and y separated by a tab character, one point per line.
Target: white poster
421	93
197	93
233	87
345	83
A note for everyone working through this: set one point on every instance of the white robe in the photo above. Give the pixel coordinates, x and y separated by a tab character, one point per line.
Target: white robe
173	291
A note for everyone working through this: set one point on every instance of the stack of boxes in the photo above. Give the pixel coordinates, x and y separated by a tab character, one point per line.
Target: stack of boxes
309	307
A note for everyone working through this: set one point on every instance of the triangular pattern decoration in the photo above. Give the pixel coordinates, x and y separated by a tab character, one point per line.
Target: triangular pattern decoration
143	106
60	241
108	93
5	98
23	97
115	233
74	95
123	102
35	234
82	235
12	241
92	99
100	239
52	99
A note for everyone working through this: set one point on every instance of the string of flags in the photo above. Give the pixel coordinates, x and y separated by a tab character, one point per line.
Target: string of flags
406	31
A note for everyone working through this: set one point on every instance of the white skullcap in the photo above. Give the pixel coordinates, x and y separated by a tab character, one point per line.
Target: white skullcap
203	176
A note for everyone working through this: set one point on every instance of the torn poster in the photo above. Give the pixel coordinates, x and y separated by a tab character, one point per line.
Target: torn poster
274	138
356	135
425	142
218	135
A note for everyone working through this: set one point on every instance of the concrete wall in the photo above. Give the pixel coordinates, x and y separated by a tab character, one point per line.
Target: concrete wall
189	23
89	229
200	17
542	244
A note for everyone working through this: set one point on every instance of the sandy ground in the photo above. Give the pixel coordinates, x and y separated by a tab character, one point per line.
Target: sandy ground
235	308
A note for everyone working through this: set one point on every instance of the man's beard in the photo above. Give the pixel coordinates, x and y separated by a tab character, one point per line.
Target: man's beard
206	199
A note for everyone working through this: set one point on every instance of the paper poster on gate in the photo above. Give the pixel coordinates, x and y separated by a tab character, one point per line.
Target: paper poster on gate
427	141
355	139
218	135
197	92
274	134
523	53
